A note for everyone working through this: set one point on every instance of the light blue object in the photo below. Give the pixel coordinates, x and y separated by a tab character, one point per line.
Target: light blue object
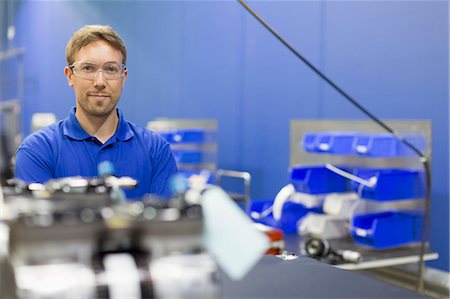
178	184
229	234
105	168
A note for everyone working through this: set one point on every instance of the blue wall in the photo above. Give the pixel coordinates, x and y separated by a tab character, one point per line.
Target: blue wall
211	59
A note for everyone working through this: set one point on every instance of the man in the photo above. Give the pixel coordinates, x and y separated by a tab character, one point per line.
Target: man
95	129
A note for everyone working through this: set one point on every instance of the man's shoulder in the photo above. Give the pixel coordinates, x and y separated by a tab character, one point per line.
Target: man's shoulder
47	135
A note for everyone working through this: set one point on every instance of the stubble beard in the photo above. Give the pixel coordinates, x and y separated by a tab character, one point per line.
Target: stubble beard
93	109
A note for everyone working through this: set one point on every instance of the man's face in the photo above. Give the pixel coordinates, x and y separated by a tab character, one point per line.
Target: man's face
97	97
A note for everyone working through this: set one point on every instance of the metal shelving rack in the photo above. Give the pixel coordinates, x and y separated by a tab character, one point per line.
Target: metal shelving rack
195	153
10	102
298	156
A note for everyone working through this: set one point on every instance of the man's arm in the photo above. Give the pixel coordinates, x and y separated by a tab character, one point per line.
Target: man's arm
164	168
33	164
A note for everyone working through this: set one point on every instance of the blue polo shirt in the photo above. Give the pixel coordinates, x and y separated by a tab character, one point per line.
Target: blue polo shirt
65	149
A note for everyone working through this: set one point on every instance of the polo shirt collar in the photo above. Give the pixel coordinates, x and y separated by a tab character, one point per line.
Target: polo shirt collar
124	131
73	129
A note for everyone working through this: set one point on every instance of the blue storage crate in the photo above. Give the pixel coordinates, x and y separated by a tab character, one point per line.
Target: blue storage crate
168	135
309	142
336	143
196	136
391	184
260	206
318	180
291	213
188	156
333	143
387	229
386	145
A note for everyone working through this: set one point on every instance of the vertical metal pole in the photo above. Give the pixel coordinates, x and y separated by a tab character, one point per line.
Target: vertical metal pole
20	96
10	24
2	24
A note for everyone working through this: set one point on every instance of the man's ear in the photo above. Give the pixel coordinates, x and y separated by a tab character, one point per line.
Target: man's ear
69	75
125	75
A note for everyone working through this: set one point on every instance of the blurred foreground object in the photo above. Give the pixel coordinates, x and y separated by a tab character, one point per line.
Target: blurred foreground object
73	238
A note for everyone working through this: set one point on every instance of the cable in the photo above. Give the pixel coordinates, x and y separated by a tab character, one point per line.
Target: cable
367	183
423	159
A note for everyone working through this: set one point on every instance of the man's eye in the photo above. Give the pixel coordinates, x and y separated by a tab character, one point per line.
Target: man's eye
88	68
112	68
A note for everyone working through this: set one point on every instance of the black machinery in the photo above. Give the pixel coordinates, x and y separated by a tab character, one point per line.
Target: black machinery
77	238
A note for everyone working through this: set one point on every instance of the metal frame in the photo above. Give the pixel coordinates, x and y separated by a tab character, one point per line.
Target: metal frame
244	176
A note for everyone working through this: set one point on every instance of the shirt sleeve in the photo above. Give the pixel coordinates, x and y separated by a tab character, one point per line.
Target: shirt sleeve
164	167
33	164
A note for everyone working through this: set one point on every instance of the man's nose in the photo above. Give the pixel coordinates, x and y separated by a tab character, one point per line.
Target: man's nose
99	80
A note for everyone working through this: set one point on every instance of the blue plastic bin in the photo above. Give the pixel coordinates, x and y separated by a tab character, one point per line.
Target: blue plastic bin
185	156
259	206
386	145
309	142
386	229
363	144
196	136
291	213
392	184
318	180
188	156
334	143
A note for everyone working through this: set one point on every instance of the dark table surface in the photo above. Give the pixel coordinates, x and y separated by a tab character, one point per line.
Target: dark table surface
303	277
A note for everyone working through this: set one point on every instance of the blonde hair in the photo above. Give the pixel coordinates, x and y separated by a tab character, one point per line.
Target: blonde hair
93	33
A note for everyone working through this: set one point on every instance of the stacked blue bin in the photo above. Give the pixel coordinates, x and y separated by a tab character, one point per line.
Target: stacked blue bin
188	148
291	212
386	229
360	144
389	229
318	179
314	180
193	144
334	143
